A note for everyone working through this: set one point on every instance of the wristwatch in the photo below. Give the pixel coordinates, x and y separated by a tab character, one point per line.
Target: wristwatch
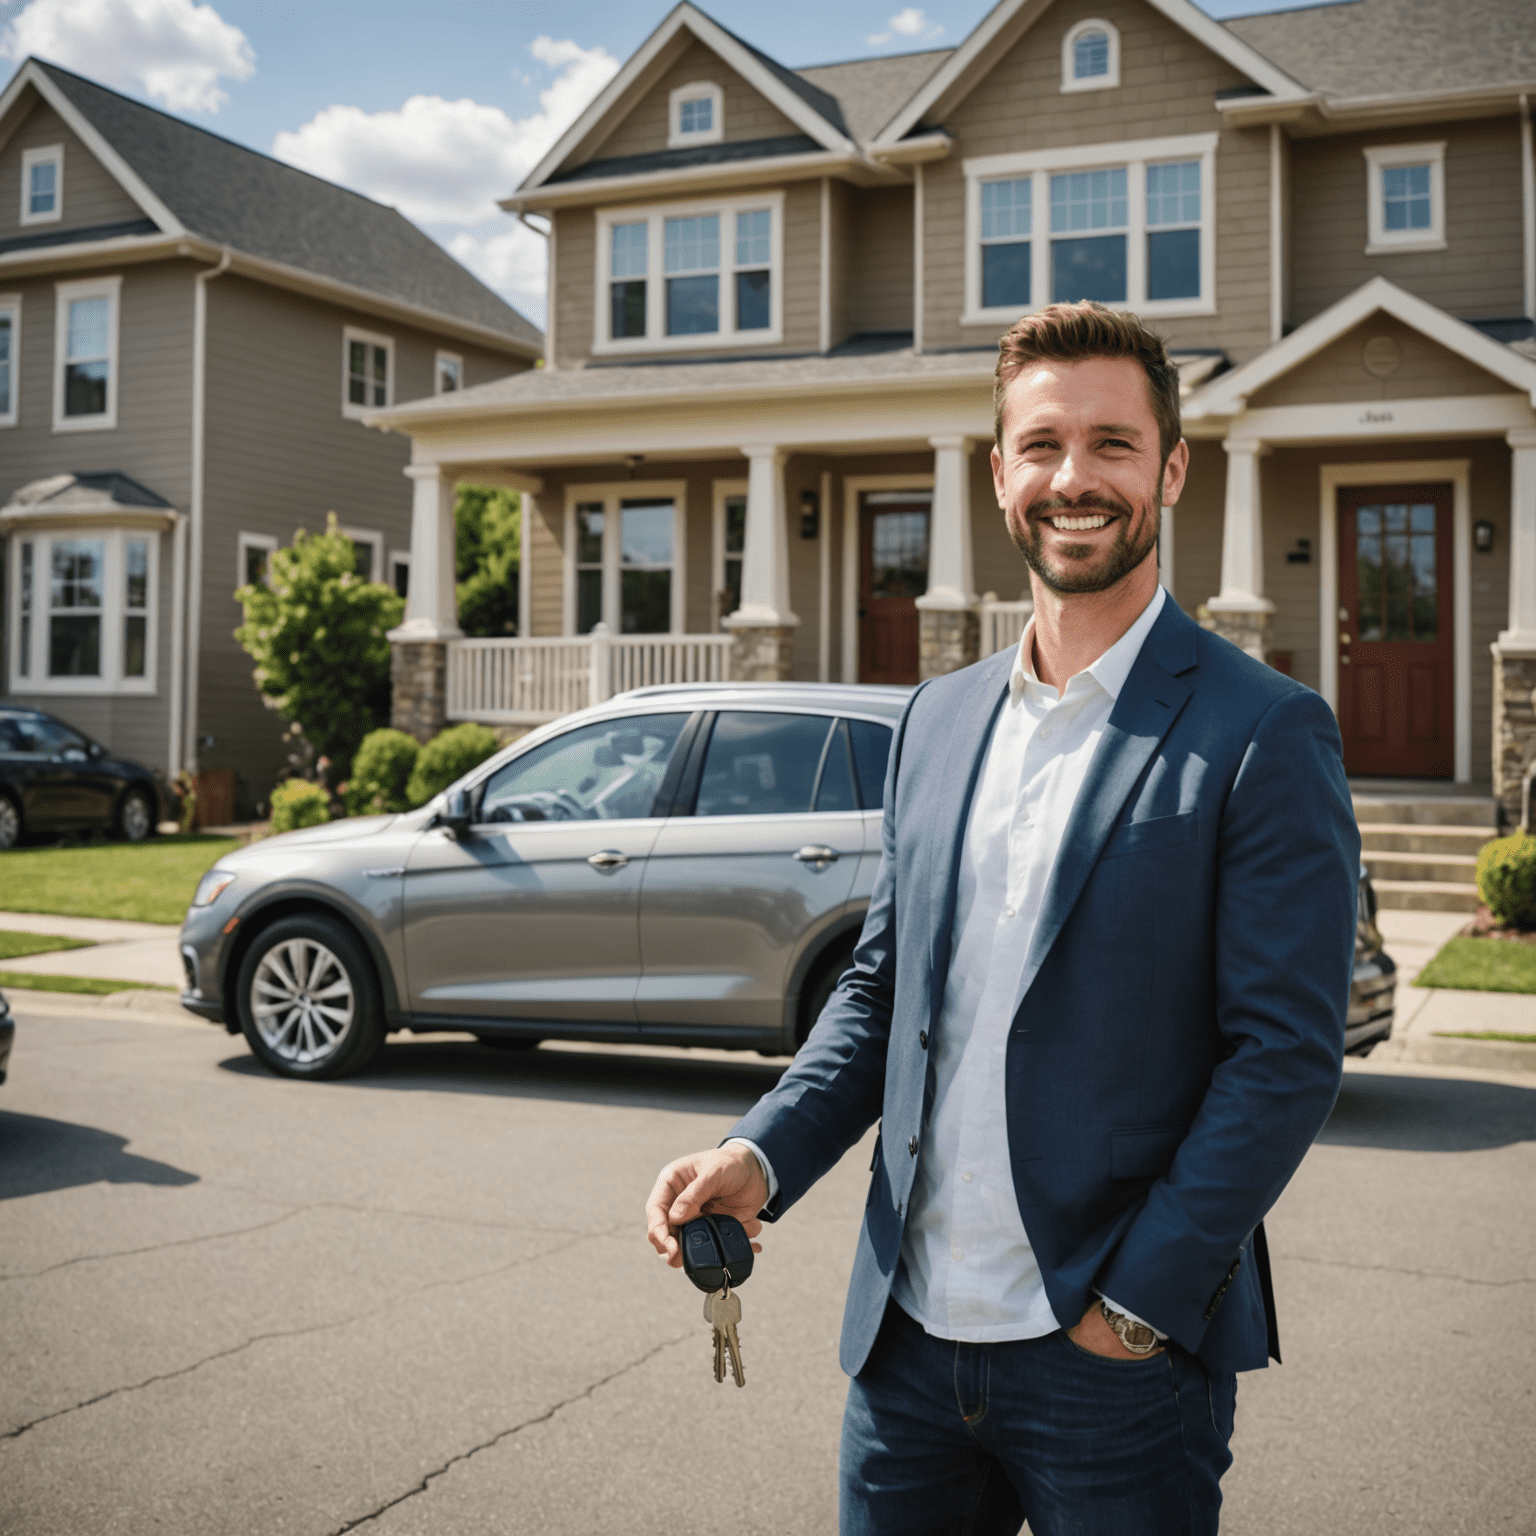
1137	1337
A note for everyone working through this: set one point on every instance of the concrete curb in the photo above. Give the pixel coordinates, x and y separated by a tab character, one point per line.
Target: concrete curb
163	1007
1443	1051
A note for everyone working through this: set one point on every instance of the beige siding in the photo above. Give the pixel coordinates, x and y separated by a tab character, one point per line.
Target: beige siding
1476	276
1197	524
880	269
1338	372
746	115
802	269
547	557
841	201
575	273
1168	85
91	195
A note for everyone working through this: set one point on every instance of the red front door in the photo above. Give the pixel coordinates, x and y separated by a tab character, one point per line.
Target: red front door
893	575
1395	645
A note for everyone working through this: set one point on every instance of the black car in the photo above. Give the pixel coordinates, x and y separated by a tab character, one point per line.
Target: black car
55	779
7	1034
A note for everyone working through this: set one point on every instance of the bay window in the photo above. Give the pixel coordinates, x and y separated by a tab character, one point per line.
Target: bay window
1128	224
689	275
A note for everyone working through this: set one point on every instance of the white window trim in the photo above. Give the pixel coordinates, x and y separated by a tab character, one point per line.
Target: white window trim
41	156
611	494
10	304
676	138
247	541
437	365
374	540
349	334
111	680
655	216
1135	155
64	294
1382	241
1104	82
722	490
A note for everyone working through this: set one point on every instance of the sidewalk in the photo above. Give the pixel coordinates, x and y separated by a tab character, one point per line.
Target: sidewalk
143	952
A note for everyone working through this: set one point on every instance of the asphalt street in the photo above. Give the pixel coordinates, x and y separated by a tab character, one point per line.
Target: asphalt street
421	1301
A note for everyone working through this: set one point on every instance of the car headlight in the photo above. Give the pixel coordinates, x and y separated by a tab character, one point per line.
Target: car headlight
212	886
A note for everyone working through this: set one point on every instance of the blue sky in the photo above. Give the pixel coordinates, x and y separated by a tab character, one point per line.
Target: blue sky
435	108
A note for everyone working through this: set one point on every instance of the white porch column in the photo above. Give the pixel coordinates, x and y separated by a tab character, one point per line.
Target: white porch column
1522	539
1240	612
1514	652
763	625
949	626
419	647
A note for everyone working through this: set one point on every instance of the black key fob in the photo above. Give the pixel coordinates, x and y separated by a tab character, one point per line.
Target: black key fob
713	1245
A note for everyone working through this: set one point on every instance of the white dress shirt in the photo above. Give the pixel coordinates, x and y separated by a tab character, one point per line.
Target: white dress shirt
967	1271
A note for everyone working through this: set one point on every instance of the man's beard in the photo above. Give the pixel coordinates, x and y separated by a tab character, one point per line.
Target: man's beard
1118	561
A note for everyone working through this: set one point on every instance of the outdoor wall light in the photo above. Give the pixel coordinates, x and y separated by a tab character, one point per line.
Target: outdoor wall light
810	514
1482	538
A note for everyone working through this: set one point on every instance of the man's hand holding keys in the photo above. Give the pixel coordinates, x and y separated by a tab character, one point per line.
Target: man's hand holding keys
726	1180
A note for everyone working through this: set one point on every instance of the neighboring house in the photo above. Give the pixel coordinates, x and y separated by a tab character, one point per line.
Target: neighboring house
774	302
190	333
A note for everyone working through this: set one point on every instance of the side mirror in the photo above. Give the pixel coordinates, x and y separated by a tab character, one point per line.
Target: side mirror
96	750
457	814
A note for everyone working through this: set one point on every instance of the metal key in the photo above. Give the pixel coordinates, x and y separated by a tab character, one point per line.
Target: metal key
723	1311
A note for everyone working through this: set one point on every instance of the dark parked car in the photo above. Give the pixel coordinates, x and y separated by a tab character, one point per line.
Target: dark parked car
679	866
1374	986
7	1034
55	779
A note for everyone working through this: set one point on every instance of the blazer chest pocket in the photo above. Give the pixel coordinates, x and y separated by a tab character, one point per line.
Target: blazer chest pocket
1144	1151
1151	836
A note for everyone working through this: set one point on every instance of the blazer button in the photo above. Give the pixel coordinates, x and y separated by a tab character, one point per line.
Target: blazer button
922	1038
912	1146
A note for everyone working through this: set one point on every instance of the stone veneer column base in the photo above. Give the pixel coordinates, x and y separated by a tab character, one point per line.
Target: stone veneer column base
948	639
760	652
418	676
1247	629
1514	726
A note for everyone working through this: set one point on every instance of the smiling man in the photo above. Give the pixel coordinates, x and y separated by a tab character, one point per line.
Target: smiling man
1098	1007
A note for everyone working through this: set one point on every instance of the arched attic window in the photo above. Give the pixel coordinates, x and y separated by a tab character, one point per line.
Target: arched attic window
1090	57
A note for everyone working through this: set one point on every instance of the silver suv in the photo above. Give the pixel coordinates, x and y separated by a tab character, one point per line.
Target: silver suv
684	865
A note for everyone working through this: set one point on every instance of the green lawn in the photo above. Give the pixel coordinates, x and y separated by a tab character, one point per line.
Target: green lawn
1484	1034
1482	965
149	882
91	986
14	945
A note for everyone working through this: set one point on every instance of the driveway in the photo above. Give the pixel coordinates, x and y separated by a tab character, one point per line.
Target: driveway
422	1301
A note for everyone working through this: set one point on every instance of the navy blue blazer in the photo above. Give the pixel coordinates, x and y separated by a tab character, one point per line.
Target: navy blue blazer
1181	1036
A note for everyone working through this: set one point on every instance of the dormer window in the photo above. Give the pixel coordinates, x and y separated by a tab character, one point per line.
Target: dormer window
696	115
42	185
1090	57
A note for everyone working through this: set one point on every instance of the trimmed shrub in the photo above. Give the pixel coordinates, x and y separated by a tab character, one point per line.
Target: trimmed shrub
449	756
380	772
1506	879
298	803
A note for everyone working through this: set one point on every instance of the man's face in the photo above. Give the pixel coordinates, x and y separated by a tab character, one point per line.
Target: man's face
1078	474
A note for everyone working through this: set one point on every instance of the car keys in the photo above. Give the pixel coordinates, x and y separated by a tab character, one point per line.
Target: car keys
723	1311
717	1255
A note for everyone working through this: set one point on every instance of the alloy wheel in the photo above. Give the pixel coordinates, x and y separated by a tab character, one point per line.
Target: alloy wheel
302	1000
135	818
10	824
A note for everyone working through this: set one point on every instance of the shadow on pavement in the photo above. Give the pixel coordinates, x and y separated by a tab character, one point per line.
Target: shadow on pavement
38	1156
703	1087
1429	1114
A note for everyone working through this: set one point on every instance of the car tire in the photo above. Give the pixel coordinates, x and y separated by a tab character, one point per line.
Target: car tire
308	999
507	1042
10	822
135	819
825	985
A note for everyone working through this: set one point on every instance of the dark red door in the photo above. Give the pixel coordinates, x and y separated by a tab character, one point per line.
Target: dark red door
1395	645
893	575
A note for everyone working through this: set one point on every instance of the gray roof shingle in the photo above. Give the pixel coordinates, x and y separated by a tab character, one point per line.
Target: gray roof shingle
872	91
261	207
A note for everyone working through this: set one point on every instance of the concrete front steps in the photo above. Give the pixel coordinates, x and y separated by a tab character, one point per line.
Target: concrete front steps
1421	849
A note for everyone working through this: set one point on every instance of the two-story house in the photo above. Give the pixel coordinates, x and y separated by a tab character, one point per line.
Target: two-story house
774	302
190	333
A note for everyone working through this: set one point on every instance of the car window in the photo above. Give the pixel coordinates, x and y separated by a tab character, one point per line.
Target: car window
761	764
50	737
10	735
834	791
871	752
597	772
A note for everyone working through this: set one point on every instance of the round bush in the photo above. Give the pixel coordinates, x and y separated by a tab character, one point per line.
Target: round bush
298	803
1506	879
449	756
380	772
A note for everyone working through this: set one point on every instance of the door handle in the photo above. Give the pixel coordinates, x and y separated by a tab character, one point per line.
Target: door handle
817	853
608	858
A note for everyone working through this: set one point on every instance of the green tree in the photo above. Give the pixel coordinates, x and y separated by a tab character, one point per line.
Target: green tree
316	633
487	531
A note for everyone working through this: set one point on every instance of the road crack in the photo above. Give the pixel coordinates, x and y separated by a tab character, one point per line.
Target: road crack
506	1434
1398	1269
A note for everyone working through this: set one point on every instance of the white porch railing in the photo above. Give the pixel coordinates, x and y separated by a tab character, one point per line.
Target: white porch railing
1002	623
526	682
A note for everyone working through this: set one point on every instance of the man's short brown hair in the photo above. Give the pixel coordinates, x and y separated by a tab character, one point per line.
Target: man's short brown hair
1070	333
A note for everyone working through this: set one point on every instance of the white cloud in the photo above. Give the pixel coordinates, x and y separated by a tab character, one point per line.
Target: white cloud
510	260
910	22
173	50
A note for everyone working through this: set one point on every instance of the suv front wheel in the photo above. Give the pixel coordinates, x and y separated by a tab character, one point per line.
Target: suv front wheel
309	999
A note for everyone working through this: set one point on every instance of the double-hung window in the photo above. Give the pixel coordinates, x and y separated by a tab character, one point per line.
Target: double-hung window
85	355
368	371
690	276
1128	225
42	185
10	357
624	555
1406	191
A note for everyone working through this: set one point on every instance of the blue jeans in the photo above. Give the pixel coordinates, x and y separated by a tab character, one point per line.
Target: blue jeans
946	1439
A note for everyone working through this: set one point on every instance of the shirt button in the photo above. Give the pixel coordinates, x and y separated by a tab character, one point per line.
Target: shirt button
966	1177
1045	731
1008	912
956	1254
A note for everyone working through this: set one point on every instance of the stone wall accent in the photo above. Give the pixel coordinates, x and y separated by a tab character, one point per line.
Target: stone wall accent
948	639
1247	630
1514	727
418	676
760	652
